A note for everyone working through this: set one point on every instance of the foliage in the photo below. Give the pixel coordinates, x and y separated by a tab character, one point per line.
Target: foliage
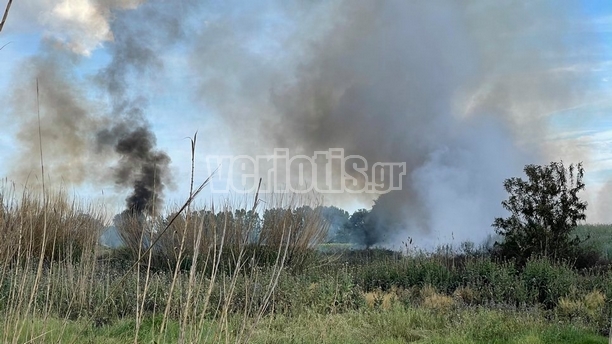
300	229
359	228
336	219
544	210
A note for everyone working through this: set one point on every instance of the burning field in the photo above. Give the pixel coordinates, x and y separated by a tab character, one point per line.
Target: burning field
102	99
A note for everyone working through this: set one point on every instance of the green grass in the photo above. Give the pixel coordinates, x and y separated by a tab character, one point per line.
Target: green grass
55	330
400	324
481	301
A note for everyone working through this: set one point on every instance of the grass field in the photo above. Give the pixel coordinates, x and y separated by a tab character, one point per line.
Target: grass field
397	324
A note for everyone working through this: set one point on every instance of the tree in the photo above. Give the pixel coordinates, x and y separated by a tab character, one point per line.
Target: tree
544	210
360	229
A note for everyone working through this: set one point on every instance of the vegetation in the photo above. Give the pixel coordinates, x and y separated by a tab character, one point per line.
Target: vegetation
258	275
544	211
397	324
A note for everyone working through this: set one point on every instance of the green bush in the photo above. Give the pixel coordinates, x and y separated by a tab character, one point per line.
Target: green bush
406	273
547	282
496	283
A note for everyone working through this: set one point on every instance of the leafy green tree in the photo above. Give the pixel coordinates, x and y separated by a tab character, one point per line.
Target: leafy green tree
544	210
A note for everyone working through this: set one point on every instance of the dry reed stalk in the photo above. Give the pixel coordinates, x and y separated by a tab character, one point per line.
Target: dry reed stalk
6	12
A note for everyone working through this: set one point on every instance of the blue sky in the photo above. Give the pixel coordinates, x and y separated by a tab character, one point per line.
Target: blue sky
278	39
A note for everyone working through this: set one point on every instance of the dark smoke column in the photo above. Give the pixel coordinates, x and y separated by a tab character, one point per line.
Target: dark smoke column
140	37
141	166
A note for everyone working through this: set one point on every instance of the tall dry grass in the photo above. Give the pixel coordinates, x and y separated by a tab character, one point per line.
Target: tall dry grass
211	254
186	267
48	258
77	284
72	226
238	230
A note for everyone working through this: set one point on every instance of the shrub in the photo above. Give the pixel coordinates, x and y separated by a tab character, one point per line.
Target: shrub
496	282
547	281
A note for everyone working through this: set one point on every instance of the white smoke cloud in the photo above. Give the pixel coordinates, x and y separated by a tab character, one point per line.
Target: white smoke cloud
603	206
81	26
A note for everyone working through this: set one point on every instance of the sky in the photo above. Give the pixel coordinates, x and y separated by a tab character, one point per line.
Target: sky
466	93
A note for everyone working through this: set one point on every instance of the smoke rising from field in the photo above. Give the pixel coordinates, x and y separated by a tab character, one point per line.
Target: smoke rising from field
604	203
67	121
106	140
135	52
141	167
459	91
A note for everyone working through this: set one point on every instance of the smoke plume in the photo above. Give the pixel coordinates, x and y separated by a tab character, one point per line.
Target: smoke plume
82	138
135	52
141	166
460	91
68	121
